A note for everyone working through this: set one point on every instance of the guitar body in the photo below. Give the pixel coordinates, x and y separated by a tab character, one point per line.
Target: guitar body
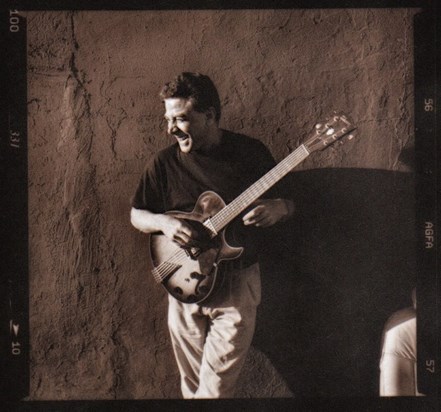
191	275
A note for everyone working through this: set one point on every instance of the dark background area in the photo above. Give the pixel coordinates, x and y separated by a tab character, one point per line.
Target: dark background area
335	274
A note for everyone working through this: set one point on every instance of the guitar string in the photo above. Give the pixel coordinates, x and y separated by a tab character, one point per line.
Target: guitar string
161	271
256	190
223	219
261	186
168	265
253	192
224	216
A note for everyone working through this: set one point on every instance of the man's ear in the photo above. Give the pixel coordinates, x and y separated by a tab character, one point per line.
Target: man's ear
211	114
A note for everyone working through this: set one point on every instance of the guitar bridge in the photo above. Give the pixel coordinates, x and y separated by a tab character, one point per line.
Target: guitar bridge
193	252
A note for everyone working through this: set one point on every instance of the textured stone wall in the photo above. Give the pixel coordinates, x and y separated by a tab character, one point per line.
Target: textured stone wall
98	326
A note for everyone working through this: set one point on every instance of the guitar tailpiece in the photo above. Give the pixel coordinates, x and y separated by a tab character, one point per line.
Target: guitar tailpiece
193	252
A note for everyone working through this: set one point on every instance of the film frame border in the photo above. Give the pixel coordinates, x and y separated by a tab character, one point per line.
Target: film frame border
14	251
15	356
426	132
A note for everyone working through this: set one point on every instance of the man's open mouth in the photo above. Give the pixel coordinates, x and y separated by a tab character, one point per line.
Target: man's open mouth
180	136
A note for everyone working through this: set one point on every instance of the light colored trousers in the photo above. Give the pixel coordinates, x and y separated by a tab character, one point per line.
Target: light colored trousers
398	364
210	341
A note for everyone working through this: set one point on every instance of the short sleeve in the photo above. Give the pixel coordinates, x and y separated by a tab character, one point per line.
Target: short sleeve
149	194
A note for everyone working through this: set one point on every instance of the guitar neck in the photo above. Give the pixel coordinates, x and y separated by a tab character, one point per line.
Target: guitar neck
238	205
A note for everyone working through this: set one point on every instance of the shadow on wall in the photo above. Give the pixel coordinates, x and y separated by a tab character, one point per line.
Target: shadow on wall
334	275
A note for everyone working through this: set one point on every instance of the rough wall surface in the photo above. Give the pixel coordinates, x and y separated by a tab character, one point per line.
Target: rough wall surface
98	321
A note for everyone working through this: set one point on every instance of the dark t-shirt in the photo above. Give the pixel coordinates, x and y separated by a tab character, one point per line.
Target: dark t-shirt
174	180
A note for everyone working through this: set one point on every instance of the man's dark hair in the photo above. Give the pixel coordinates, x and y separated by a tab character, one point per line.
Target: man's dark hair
197	87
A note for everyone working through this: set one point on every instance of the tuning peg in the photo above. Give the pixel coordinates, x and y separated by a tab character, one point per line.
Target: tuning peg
319	128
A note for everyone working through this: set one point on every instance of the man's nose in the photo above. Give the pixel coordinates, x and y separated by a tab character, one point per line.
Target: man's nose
171	127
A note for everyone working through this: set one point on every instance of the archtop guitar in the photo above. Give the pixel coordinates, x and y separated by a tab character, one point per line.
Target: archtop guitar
191	274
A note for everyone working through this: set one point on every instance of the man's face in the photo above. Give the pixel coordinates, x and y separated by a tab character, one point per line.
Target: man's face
189	127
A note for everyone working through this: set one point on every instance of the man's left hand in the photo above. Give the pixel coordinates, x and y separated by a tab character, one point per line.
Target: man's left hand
267	212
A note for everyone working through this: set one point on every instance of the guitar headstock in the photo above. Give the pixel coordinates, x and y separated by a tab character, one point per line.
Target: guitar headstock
335	127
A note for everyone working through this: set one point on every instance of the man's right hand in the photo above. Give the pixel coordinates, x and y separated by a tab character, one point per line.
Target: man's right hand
178	231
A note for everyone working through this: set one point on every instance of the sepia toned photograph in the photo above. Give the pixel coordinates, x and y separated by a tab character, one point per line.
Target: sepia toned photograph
221	204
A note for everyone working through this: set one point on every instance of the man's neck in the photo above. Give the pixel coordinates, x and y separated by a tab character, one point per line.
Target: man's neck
214	140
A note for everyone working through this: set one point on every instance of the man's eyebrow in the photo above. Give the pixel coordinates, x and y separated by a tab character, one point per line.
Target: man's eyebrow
176	115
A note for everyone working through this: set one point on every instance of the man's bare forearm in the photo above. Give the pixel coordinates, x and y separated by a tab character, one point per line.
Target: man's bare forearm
175	229
148	222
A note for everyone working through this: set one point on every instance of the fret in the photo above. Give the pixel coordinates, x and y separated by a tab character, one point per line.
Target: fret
238	205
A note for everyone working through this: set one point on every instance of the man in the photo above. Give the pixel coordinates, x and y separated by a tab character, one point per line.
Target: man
211	339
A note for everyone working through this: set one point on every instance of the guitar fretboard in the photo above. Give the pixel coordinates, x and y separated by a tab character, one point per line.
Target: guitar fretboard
238	205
